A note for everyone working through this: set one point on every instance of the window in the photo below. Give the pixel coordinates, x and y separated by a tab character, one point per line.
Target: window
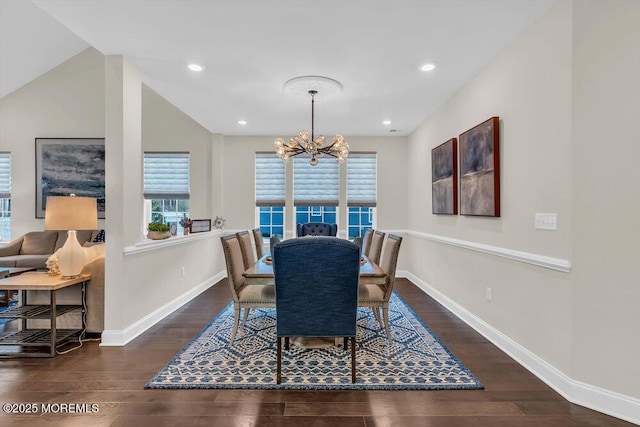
166	187
5	196
316	190
361	192
270	194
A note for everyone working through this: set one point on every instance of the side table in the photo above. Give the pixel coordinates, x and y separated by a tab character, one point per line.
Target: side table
5	296
30	339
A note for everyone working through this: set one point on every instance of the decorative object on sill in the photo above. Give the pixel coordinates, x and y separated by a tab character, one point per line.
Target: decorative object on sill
71	213
218	222
200	225
158	231
173	228
186	224
314	146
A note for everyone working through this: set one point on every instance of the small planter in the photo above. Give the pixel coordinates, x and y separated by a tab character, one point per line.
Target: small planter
158	235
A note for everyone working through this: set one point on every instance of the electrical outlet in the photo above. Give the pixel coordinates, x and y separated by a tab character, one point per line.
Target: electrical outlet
488	294
183	271
546	221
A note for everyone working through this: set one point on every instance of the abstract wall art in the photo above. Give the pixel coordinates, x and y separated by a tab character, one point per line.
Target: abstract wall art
70	165
480	169
444	178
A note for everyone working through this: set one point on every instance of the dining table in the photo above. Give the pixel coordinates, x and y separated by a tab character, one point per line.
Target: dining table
261	273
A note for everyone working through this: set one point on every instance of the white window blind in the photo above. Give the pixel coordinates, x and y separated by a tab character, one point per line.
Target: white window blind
269	180
166	175
361	179
5	175
316	185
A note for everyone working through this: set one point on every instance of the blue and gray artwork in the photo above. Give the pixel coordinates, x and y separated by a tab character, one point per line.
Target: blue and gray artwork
479	173
74	168
443	178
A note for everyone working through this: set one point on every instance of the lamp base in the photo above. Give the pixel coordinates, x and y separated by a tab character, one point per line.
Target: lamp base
71	256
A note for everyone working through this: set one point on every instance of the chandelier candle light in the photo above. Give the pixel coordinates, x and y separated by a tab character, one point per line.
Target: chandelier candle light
315	147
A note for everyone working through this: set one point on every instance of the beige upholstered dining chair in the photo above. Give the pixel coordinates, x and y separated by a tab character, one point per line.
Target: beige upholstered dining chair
257	237
375	248
366	241
377	296
244	296
247	248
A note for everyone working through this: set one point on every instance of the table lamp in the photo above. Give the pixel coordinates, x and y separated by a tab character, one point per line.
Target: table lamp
71	213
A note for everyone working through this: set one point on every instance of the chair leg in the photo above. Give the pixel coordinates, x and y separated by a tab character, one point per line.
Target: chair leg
278	360
353	359
385	313
345	343
245	317
236	320
376	314
286	343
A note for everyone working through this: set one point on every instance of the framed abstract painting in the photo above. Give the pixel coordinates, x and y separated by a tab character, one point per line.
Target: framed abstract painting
480	169
444	178
70	165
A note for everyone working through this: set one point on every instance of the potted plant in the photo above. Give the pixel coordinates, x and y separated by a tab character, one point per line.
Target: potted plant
186	224
158	231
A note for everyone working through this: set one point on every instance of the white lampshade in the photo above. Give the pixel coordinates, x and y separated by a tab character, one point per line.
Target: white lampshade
71	213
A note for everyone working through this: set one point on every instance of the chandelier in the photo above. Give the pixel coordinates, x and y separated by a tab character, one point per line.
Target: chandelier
314	146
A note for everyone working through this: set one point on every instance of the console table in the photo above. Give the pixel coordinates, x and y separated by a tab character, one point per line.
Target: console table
30	339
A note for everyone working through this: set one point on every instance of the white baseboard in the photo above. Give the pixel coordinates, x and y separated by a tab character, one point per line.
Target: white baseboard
122	337
608	402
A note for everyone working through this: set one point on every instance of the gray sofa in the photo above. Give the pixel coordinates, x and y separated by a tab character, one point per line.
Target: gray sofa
34	248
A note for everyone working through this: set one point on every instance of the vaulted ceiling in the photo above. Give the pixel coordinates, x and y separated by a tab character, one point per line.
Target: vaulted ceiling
250	48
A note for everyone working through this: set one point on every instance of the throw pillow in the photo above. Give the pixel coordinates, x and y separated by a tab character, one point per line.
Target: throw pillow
99	237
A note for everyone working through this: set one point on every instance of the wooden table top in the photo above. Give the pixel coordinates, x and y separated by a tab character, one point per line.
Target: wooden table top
39	281
261	273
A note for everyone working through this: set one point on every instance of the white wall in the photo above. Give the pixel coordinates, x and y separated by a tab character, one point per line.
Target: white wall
66	102
239	179
69	101
567	92
606	194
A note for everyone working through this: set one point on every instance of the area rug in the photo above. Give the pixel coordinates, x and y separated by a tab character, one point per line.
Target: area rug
417	359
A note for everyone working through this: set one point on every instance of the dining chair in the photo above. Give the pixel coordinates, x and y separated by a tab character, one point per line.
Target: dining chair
366	241
244	296
247	248
375	248
377	296
318	298
316	229
273	240
257	238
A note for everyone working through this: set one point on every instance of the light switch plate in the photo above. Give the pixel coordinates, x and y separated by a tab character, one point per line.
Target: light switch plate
546	221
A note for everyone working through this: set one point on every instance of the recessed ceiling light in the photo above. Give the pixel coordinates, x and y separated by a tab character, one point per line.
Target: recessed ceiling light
195	67
242	122
428	67
386	122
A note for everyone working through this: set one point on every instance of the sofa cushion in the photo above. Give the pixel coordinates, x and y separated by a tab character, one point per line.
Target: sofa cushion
9	261
39	243
35	261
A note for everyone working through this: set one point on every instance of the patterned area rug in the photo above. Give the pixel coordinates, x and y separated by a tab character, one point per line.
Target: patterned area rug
416	360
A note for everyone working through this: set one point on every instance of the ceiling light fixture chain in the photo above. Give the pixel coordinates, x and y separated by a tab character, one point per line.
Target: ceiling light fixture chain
301	144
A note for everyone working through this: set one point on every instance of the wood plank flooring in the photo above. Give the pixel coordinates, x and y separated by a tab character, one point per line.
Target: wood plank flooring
113	378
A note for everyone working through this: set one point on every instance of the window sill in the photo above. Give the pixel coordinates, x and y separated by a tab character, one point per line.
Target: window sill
148	245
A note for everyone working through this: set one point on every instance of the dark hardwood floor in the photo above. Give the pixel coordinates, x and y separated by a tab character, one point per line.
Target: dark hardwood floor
114	377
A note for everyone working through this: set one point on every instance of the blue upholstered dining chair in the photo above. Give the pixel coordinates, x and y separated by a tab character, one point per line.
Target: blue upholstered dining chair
317	229
316	281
